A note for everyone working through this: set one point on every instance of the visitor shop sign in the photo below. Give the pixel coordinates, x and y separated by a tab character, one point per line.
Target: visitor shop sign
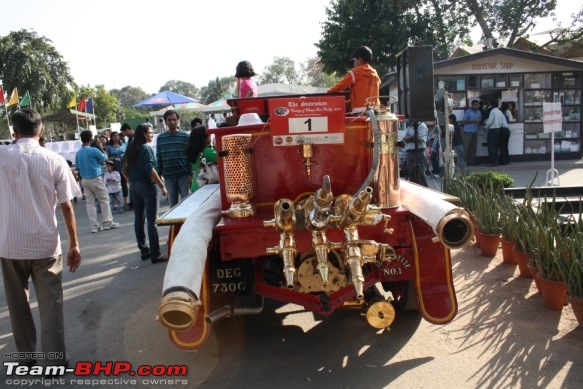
552	117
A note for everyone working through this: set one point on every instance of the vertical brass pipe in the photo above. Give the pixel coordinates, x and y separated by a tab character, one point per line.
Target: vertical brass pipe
386	180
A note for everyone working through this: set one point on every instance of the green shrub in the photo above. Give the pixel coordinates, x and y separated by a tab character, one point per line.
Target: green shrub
498	181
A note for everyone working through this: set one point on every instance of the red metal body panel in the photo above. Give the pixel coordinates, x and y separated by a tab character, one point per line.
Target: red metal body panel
279	170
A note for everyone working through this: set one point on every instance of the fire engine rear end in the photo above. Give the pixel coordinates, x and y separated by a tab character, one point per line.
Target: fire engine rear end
310	210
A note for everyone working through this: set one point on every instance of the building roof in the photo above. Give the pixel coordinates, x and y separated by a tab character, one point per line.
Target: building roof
529	46
505	51
67	116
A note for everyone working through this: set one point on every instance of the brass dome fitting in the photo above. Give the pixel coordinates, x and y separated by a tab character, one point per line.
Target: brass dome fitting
380	313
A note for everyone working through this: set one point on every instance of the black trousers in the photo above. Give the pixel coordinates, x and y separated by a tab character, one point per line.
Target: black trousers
504	158
493	141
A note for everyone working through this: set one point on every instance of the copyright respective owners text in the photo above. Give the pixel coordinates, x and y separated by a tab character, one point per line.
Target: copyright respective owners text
92	374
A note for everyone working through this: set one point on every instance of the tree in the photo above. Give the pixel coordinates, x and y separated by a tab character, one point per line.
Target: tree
389	26
507	20
181	87
312	73
129	95
31	63
566	35
352	23
282	70
105	104
218	89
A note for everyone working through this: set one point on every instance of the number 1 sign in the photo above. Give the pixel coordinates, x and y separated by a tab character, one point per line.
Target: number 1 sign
314	120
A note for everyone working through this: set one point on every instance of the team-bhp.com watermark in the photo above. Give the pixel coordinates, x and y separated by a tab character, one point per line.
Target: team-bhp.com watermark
90	373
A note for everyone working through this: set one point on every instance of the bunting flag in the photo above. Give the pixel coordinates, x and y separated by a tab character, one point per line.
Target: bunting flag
13	98
25	102
89	105
72	103
2	100
81	105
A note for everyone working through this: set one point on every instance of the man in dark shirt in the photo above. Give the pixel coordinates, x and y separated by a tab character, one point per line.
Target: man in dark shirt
172	163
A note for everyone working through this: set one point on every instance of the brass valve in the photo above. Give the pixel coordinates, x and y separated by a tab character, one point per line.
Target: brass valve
308	154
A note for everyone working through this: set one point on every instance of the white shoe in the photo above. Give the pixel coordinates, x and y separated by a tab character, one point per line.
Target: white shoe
110	226
96	230
436	176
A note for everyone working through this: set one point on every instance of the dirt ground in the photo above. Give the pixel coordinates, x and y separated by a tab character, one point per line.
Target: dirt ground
503	314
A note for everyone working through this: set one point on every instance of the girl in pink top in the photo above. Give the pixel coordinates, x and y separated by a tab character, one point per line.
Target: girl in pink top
245	85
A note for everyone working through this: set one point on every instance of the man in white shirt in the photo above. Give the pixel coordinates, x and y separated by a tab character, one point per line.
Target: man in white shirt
416	164
493	124
34	180
212	122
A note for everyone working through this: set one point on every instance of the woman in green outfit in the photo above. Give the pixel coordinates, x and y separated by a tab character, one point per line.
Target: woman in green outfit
199	143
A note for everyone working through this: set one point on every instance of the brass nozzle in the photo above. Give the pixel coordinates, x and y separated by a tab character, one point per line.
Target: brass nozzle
356	209
360	202
178	311
288	255
455	229
323	266
323	198
357	276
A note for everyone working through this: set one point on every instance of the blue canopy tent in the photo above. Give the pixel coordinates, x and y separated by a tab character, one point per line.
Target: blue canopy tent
165	98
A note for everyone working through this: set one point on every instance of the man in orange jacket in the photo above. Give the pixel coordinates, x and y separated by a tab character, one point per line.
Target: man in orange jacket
362	80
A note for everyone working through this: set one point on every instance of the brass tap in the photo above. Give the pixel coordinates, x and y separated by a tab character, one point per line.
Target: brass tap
323	198
317	213
353	213
285	223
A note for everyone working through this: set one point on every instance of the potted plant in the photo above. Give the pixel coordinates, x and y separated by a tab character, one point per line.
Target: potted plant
523	238
488	220
509	227
570	264
547	235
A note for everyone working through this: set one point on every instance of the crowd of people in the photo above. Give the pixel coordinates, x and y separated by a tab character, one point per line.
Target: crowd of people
496	121
120	171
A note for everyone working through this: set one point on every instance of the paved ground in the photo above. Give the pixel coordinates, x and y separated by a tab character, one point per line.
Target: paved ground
502	337
570	173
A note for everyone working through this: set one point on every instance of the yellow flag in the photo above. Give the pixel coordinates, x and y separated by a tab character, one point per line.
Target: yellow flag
72	103
13	98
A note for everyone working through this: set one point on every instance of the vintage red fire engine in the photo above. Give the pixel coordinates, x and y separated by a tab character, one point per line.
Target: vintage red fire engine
310	210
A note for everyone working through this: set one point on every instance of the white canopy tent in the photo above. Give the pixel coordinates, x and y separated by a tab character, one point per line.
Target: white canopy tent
278	89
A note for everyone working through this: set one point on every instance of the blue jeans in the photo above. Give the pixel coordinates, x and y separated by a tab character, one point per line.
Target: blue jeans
115	199
176	186
459	151
145	199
